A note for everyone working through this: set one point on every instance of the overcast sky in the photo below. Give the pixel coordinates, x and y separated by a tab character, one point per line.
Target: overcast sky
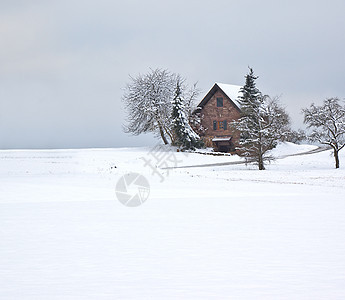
63	63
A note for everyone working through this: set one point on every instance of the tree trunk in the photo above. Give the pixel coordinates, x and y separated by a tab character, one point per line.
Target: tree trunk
336	156
261	164
162	135
167	131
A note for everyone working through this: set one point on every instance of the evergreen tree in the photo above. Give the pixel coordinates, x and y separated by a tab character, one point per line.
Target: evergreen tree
262	124
185	137
250	95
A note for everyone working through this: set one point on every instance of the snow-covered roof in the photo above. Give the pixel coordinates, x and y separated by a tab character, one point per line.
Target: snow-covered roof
221	139
232	91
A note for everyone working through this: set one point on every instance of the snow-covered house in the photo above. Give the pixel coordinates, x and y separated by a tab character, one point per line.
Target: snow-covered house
217	109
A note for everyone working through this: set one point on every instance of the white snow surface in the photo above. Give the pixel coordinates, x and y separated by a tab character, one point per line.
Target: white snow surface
232	91
221	139
220	232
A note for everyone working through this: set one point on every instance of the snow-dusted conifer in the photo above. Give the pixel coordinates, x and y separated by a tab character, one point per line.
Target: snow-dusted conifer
185	137
328	125
262	124
250	95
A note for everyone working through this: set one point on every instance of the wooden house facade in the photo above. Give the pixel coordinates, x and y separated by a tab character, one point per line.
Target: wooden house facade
217	110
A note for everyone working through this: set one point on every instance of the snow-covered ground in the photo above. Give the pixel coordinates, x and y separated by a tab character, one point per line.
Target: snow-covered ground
222	232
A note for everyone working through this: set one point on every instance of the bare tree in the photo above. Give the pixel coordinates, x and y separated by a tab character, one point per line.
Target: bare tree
328	125
148	102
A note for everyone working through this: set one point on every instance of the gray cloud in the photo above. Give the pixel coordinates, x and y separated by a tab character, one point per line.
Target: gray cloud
64	63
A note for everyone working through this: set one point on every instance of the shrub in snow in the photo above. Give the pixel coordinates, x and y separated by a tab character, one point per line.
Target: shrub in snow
295	137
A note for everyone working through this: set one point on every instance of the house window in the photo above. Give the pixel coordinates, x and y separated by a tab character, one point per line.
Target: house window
219	125
220	102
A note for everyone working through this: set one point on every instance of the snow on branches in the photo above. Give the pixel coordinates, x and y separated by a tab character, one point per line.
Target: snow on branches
184	134
262	124
147	100
327	123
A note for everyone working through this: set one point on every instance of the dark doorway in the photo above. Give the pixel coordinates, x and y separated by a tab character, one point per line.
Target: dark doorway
223	148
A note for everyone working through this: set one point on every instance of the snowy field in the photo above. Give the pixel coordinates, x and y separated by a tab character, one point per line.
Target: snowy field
216	232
